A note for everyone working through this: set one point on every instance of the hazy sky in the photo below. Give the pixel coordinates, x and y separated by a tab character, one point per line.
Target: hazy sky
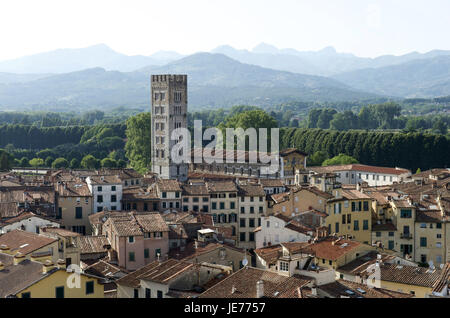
365	28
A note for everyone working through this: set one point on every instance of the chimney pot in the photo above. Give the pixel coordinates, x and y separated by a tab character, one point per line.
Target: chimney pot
18	258
259	289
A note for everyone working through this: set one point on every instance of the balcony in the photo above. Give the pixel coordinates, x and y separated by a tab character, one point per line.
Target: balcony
406	236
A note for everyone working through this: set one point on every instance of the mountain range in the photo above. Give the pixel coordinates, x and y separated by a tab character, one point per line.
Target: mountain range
97	76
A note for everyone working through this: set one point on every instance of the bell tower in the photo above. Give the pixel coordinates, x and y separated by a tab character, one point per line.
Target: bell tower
169	112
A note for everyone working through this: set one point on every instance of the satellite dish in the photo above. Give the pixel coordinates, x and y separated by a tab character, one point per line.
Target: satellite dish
245	262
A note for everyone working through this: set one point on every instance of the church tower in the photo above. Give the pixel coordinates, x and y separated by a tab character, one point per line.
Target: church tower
169	111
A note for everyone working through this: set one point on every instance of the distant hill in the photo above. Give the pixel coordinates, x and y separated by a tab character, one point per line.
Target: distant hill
7	78
214	80
325	62
418	78
71	60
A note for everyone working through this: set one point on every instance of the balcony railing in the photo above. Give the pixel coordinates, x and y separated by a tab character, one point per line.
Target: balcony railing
407	236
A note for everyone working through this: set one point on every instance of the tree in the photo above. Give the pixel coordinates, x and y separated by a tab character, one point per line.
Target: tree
6	160
108	163
340	159
74	163
325	117
344	121
60	163
138	144
121	163
48	161
90	162
418	171
317	158
440	126
24	162
36	162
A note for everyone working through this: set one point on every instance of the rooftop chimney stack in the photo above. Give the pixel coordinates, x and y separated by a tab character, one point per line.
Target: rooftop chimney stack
47	267
61	264
259	289
314	290
18	258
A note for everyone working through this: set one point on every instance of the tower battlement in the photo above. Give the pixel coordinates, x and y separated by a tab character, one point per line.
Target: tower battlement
169	78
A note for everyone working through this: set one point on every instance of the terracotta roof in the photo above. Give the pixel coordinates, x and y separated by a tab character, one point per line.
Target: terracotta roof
177	231
444	280
384	227
429	216
161	273
92	244
73	189
24	216
242	284
360	264
355	290
135	224
200	190
25	242
60	232
361	168
105	179
103	269
139	194
191	252
326	250
251	190
271	183
269	254
289	151
221	186
168	185
14	278
410	275
316	191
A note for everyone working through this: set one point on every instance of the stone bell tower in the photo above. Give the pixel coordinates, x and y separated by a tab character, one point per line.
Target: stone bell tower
169	112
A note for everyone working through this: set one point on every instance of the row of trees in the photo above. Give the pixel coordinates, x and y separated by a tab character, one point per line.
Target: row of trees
380	116
408	150
88	162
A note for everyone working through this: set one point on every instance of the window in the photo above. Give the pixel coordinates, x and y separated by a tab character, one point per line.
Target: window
252	209
343	218
26	295
232	205
356	225
113	188
130	239
113	198
284	266
378	234
242	237
177	195
423	225
353	206
261	209
222	205
242	222
337	227
59	292
391	233
439	225
251	222
158	253
423	242
391	245
131	257
99	198
405	213
251	237
366	206
89	287
365	224
242	210
78	212
164	195
159	294
148	293
59	214
99	189
146	253
136	293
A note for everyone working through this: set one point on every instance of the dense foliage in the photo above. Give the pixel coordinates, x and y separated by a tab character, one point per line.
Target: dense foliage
391	149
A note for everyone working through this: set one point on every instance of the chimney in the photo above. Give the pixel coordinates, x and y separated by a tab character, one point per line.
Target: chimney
314	290
18	258
358	186
4	249
48	266
259	289
61	264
